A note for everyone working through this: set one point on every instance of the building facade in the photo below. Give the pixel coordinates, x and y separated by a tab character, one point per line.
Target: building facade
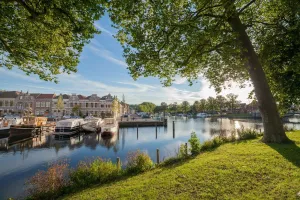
14	102
44	104
8	102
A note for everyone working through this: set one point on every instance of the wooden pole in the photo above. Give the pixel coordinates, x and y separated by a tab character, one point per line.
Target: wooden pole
260	130
186	148
173	129
118	133
157	156
118	163
137	131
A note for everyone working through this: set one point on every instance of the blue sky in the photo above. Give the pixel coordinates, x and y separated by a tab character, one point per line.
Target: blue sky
102	70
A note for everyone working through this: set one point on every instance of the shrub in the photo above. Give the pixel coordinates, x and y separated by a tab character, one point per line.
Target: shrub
182	153
195	144
47	183
172	161
211	144
138	162
245	134
96	171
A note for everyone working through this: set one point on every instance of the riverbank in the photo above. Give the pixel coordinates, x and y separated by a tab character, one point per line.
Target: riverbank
240	170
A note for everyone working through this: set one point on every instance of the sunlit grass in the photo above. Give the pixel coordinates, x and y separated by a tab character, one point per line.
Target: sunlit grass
246	169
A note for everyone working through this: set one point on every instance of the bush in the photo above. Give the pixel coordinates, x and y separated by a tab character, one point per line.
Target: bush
96	171
211	144
172	161
245	134
182	153
195	144
138	162
47	183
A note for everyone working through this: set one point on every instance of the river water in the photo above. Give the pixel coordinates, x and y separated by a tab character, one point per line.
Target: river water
20	161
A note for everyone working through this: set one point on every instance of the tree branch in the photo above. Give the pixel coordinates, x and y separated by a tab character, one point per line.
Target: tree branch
246	6
6	46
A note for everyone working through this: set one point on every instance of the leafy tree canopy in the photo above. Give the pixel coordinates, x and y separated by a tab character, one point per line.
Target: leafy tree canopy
46	37
147	107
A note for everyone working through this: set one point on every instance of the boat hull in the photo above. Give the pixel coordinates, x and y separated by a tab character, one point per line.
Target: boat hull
4	132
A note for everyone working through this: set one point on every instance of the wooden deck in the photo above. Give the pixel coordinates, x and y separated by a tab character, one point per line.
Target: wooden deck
142	123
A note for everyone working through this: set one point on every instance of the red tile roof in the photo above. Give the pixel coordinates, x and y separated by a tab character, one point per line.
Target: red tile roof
81	96
45	96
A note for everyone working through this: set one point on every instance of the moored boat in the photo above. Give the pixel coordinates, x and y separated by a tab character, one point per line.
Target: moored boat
68	127
202	115
92	124
110	127
6	123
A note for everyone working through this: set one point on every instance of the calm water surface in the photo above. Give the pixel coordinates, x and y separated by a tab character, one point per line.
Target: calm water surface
20	161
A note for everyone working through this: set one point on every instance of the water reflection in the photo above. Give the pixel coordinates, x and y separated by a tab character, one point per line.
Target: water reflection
23	158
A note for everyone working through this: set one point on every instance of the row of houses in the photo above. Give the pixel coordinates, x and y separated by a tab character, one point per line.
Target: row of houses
15	102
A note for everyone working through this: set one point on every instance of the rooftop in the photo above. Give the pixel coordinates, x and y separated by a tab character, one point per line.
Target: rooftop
9	94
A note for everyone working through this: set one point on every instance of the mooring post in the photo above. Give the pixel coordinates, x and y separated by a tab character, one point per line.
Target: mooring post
173	129
137	131
157	156
260	130
118	133
118	163
186	148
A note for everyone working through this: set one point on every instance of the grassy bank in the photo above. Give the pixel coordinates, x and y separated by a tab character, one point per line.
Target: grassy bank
241	170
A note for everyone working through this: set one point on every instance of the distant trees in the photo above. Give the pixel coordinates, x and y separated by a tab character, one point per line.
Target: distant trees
146	107
211	104
185	106
232	101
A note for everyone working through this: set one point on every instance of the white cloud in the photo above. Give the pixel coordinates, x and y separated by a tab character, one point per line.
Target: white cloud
107	55
98	26
179	80
19	75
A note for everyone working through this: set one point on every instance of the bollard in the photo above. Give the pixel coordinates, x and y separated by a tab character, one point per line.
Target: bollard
157	156
137	131
118	133
118	163
186	149
173	129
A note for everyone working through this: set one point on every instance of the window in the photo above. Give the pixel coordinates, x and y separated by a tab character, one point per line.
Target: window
30	105
71	105
102	106
87	105
21	97
47	104
38	104
42	104
96	105
92	105
1	103
11	103
37	112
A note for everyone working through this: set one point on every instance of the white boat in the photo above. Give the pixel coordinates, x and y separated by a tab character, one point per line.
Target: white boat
202	115
110	127
68	126
6	122
92	124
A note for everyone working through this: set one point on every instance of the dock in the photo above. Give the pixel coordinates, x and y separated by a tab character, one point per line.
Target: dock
141	123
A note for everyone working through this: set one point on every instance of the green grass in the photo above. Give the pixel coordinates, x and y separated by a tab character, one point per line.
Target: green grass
241	170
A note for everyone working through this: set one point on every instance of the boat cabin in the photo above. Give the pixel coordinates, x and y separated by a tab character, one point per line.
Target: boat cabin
35	121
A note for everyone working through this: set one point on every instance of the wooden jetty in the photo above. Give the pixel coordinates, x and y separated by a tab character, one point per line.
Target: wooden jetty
142	123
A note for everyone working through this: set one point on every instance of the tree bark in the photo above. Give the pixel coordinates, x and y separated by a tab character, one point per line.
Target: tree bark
273	127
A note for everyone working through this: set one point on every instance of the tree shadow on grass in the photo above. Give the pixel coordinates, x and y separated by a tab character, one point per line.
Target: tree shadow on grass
289	151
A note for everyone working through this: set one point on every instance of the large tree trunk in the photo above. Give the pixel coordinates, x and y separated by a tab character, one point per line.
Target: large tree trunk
273	127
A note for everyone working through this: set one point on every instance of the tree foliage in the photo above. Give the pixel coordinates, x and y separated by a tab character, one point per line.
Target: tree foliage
147	107
46	37
60	103
185	106
115	106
